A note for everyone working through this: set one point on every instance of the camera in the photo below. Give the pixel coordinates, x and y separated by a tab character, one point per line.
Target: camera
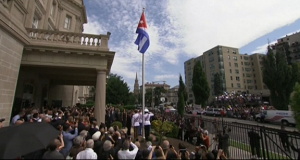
2	120
182	150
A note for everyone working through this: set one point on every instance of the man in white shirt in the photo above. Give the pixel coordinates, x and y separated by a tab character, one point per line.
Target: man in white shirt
88	153
141	122
147	122
125	153
135	123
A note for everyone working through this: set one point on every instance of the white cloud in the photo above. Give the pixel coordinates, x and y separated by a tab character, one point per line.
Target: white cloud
165	77
204	24
187	28
263	48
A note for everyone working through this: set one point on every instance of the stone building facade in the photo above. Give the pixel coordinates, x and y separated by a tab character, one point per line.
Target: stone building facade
44	54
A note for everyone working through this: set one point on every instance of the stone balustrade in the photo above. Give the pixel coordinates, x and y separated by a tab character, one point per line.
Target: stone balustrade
42	35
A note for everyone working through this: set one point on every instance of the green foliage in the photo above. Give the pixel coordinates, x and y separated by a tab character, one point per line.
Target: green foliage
161	127
200	86
148	96
117	123
174	132
157	94
180	105
182	89
217	84
117	90
129	107
280	78
131	98
295	104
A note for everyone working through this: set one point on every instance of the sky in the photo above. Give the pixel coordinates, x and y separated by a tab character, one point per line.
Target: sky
184	29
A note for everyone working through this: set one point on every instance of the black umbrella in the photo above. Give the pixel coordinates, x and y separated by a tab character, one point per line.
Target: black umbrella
19	140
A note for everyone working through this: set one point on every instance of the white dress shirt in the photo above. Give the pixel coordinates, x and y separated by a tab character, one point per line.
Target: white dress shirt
135	120
88	153
147	117
126	154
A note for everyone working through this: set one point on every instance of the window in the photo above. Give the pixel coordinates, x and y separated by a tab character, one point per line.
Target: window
228	57
248	75
241	63
229	64
241	57
237	71
232	85
250	87
238	85
248	69
235	58
247	63
230	77
52	10
237	78
249	81
67	22
35	22
236	65
246	58
230	71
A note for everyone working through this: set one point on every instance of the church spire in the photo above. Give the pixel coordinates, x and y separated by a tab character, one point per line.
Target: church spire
136	76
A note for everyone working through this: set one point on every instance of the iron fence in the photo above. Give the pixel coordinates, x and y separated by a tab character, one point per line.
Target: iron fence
251	141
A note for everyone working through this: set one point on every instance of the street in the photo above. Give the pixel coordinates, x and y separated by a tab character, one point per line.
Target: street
269	125
239	133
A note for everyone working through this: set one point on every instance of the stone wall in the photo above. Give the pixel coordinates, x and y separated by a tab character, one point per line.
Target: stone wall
10	58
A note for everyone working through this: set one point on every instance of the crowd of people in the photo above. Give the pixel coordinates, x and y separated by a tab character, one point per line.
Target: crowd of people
83	137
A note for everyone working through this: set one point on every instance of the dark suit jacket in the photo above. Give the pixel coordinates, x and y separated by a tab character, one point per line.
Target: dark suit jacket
254	138
53	155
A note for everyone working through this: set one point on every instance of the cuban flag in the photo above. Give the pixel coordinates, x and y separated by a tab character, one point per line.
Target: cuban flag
142	40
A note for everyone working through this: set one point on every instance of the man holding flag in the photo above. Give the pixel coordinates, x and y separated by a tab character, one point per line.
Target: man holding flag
143	43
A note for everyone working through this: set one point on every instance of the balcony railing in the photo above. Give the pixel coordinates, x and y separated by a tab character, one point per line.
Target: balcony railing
81	39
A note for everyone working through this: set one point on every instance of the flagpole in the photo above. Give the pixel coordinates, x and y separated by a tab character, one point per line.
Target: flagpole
143	81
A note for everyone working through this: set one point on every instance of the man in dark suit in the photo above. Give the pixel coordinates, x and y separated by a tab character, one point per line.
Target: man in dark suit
254	142
108	119
53	152
284	138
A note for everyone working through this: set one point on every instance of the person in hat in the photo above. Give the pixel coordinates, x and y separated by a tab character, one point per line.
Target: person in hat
147	123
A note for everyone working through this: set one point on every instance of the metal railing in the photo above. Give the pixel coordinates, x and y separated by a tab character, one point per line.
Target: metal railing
252	141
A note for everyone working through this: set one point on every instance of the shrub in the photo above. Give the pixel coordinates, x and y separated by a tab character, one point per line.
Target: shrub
129	107
117	123
174	132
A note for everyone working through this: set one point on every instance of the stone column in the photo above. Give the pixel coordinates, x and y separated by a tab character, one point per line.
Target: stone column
100	100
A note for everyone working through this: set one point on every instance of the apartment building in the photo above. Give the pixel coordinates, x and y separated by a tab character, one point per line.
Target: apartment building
238	72
290	45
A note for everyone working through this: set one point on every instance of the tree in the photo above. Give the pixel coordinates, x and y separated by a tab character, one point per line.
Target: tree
200	86
295	103
117	91
217	84
157	94
148	96
182	89
180	105
279	77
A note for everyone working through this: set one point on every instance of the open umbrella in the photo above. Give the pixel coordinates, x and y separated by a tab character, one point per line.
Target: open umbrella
19	140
